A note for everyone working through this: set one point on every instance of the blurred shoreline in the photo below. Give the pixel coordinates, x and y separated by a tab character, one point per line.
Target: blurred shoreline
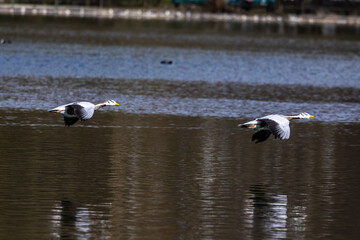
171	15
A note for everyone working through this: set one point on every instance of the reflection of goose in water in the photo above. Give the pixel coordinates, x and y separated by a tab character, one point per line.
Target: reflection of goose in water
70	221
67	213
267	212
278	125
72	112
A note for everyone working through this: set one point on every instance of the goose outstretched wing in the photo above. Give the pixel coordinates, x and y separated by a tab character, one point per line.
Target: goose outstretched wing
70	121
83	112
278	125
261	135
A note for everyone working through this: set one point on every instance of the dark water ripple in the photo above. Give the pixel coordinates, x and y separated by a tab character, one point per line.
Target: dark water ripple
156	176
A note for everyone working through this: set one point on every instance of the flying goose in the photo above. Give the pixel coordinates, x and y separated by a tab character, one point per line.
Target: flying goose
72	112
278	125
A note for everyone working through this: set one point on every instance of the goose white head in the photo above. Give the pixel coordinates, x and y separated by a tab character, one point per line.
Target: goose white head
111	103
305	115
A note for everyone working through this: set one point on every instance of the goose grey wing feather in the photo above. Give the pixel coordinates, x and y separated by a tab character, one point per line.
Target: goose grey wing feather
84	113
279	129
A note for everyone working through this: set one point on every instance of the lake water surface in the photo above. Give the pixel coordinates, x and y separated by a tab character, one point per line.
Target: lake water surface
170	161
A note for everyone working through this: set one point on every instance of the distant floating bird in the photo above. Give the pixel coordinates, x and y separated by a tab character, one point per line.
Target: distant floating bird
168	62
72	112
5	41
278	125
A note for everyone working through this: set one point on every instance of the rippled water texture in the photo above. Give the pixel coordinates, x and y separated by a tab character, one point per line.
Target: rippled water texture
170	162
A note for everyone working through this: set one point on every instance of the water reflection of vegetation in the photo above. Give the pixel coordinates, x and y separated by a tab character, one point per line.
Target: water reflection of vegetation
151	27
285	6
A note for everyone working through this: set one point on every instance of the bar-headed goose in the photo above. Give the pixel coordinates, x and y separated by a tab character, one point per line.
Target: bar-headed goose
72	112
278	125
